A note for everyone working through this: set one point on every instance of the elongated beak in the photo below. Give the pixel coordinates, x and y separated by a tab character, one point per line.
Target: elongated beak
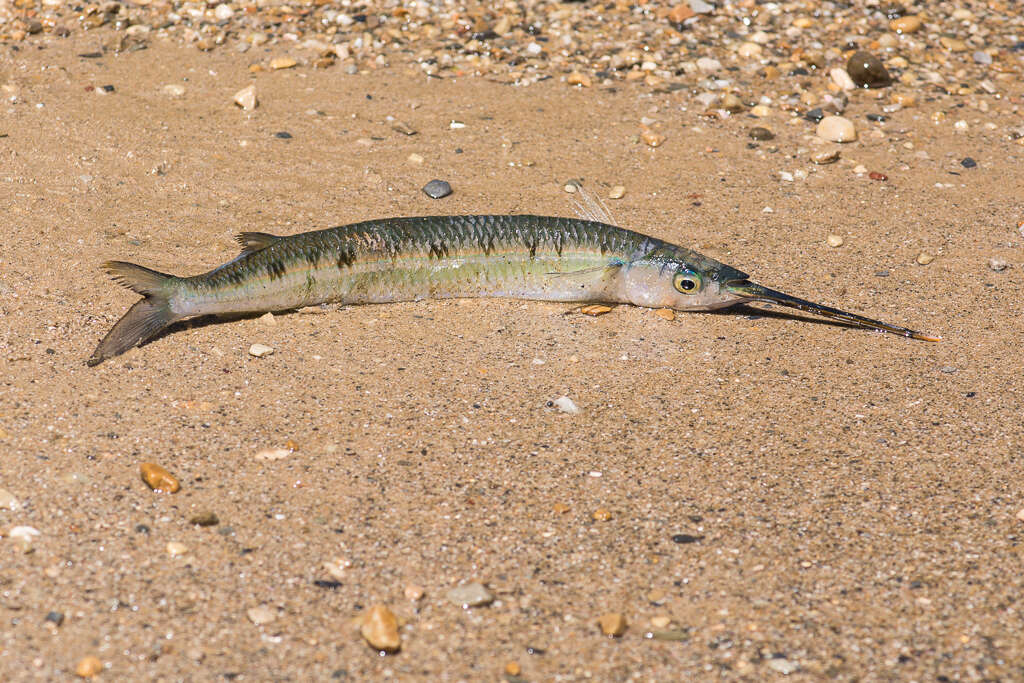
755	292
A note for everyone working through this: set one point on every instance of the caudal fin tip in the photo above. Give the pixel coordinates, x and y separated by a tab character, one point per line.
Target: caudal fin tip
142	322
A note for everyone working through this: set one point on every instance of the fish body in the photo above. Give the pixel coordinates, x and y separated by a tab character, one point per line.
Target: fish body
405	259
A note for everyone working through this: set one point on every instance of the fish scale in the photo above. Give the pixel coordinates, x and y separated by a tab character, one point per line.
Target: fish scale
404	259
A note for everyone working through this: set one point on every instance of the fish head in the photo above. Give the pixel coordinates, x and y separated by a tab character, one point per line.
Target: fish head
683	280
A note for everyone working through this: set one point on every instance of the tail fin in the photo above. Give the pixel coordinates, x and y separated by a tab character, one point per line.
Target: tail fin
145	319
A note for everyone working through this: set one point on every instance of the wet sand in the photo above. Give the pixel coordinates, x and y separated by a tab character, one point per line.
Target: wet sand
777	493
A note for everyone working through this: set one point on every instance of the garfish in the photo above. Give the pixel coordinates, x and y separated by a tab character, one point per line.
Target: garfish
544	258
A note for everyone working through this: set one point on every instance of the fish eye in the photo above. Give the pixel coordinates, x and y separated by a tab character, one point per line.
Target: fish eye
686	281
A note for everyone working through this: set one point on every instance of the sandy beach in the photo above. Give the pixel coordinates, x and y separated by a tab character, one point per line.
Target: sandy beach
743	495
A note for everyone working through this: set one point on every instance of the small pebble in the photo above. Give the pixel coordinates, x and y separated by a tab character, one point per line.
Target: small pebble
684	539
998	265
783	666
651	138
905	24
55	618
760	133
205	518
88	667
158	479
268	319
8	501
246	98
661	622
823	158
270	454
602	515
617	192
760	111
566	405
875	175
403	128
24	536
867	71
595	309
924	258
577	78
612	624
842	79
282	63
283	135
665	314
1020	514
414	592
380	629
671	636
436	189
709	65
834	240
470	595
261	615
260	350
968	162
732	104
415	158
560	508
947	369
513	669
173	90
815	115
176	549
952	44
836	129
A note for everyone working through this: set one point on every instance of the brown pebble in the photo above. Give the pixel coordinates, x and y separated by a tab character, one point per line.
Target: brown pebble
205	518
666	314
612	624
924	258
602	515
681	13
88	667
651	138
904	99
867	71
875	175
513	669
907	24
282	63
414	592
595	309
380	629
158	479
576	78
560	508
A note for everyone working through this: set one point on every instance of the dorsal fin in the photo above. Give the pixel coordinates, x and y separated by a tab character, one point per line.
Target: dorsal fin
255	241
